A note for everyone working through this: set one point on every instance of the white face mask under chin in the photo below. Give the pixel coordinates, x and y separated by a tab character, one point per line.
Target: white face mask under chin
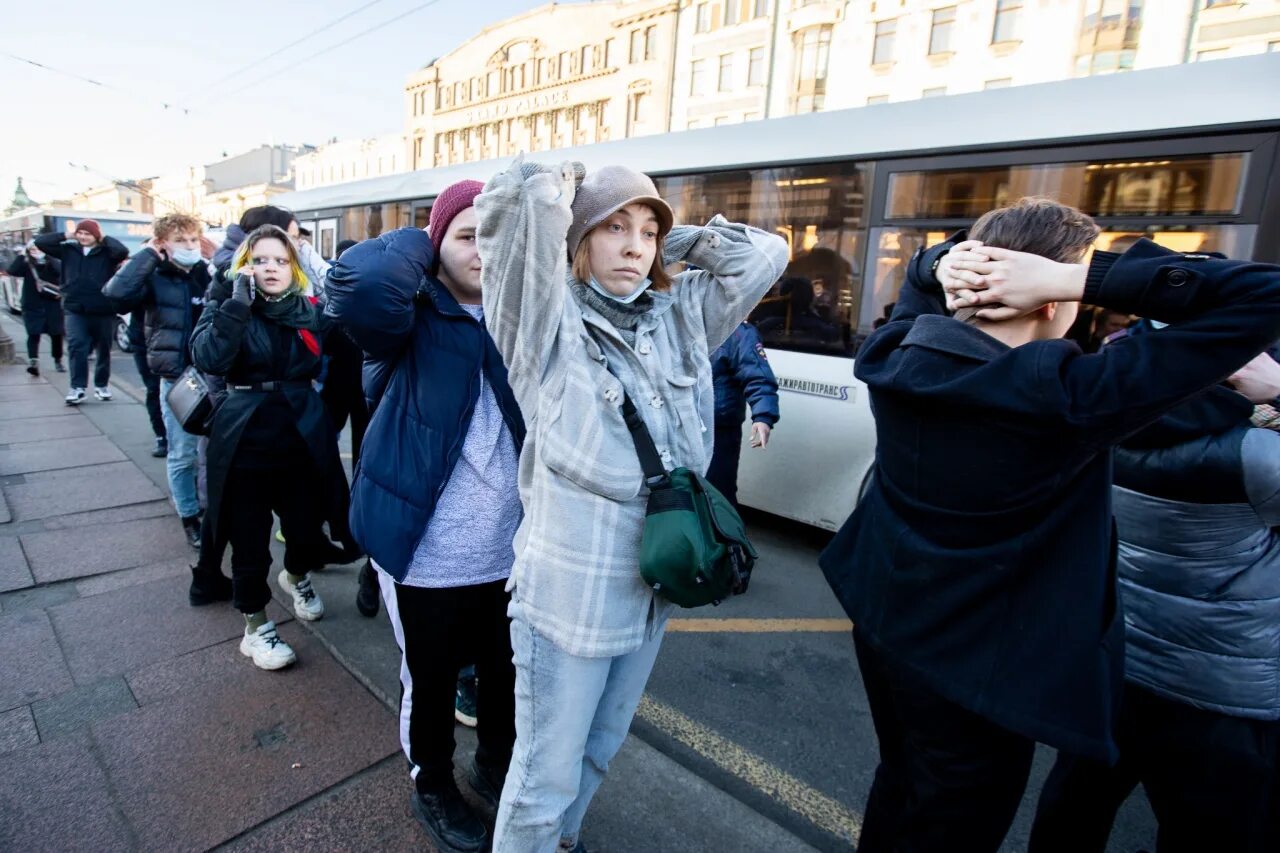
625	300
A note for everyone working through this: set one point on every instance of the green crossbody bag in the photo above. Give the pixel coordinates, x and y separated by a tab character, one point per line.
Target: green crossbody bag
694	549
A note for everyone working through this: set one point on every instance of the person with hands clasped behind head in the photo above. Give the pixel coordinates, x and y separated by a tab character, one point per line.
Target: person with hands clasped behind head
41	304
271	446
980	566
168	280
579	303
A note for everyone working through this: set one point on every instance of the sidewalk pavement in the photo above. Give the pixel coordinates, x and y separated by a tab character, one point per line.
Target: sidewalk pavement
130	721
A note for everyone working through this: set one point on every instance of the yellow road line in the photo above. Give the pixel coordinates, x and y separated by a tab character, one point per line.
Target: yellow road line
810	803
760	626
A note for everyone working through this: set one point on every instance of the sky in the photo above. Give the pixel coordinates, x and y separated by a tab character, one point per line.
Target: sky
147	54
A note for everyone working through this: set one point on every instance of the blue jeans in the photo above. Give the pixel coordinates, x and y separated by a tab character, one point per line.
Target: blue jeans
182	458
572	715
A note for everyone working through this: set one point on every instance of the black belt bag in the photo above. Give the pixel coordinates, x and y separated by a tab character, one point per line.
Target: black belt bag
191	402
694	549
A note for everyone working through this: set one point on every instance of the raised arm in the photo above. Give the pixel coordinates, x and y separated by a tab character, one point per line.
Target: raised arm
131	285
115	250
736	266
216	340
51	244
524	217
316	268
371	289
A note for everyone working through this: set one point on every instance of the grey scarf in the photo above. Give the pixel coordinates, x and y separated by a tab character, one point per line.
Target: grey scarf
623	317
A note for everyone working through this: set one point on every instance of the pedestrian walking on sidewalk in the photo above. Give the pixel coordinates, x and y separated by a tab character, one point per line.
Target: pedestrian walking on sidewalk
435	499
271	448
41	304
1197	501
980	566
742	376
88	261
579	303
167	280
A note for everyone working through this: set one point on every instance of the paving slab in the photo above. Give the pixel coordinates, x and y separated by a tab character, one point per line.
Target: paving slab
36	392
17	729
67	713
14	573
46	408
38	597
53	455
84	551
266	743
23	430
121	631
55	797
114	515
51	493
16	375
5	515
31	665
367	812
180	566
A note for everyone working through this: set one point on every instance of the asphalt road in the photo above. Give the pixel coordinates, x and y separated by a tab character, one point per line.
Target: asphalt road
761	697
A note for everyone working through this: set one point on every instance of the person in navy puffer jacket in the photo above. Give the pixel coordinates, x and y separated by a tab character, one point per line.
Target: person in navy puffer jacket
741	375
1197	504
435	502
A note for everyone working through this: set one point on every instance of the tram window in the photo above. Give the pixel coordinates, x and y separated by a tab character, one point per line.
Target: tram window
372	220
820	211
891	249
1203	185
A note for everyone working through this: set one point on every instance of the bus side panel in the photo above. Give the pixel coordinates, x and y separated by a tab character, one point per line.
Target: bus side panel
822	447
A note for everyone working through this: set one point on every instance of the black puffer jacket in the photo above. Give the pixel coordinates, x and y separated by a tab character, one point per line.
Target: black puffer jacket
83	275
173	299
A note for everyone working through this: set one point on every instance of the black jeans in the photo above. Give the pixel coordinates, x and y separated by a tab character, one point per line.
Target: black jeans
90	332
33	346
723	471
343	399
1211	780
948	779
439	632
248	500
152	384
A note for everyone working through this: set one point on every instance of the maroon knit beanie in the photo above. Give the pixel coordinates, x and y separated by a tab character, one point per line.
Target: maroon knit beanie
92	226
455	199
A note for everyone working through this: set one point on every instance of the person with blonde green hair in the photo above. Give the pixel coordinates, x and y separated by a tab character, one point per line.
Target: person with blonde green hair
271	446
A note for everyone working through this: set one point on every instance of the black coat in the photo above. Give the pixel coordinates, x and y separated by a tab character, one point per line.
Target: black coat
233	341
982	558
173	299
83	276
41	313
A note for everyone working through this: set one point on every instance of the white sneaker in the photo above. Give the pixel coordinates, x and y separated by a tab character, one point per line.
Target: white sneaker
102	393
306	601
75	397
266	648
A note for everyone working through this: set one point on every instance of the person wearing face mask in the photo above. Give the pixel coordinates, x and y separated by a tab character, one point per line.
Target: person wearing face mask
435	499
271	447
167	280
88	260
41	304
579	303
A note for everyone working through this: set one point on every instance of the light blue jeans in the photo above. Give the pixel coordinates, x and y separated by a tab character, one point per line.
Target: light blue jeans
572	715
182	459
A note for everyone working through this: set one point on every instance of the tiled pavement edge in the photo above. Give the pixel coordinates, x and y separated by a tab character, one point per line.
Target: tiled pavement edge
121	702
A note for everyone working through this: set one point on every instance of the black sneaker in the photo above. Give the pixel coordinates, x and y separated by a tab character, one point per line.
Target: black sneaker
487	783
207	588
191	526
450	822
161	449
33	367
368	595
58	366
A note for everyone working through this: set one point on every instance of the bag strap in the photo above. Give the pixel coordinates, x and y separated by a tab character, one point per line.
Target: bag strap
655	473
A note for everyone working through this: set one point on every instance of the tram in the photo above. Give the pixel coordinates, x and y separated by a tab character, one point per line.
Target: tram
1188	156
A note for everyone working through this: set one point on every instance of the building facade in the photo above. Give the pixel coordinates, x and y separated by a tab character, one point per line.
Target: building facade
220	192
115	197
350	160
553	77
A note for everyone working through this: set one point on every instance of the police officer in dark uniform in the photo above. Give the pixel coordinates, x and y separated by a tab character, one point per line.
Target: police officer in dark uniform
741	375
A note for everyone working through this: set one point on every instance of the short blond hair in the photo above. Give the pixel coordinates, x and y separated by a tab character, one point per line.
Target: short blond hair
176	223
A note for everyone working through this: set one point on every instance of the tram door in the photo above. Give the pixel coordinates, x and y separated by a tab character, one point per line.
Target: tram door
421	213
325	234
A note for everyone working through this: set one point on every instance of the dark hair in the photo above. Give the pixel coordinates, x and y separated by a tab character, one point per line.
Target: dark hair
266	214
343	245
1039	226
305	232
